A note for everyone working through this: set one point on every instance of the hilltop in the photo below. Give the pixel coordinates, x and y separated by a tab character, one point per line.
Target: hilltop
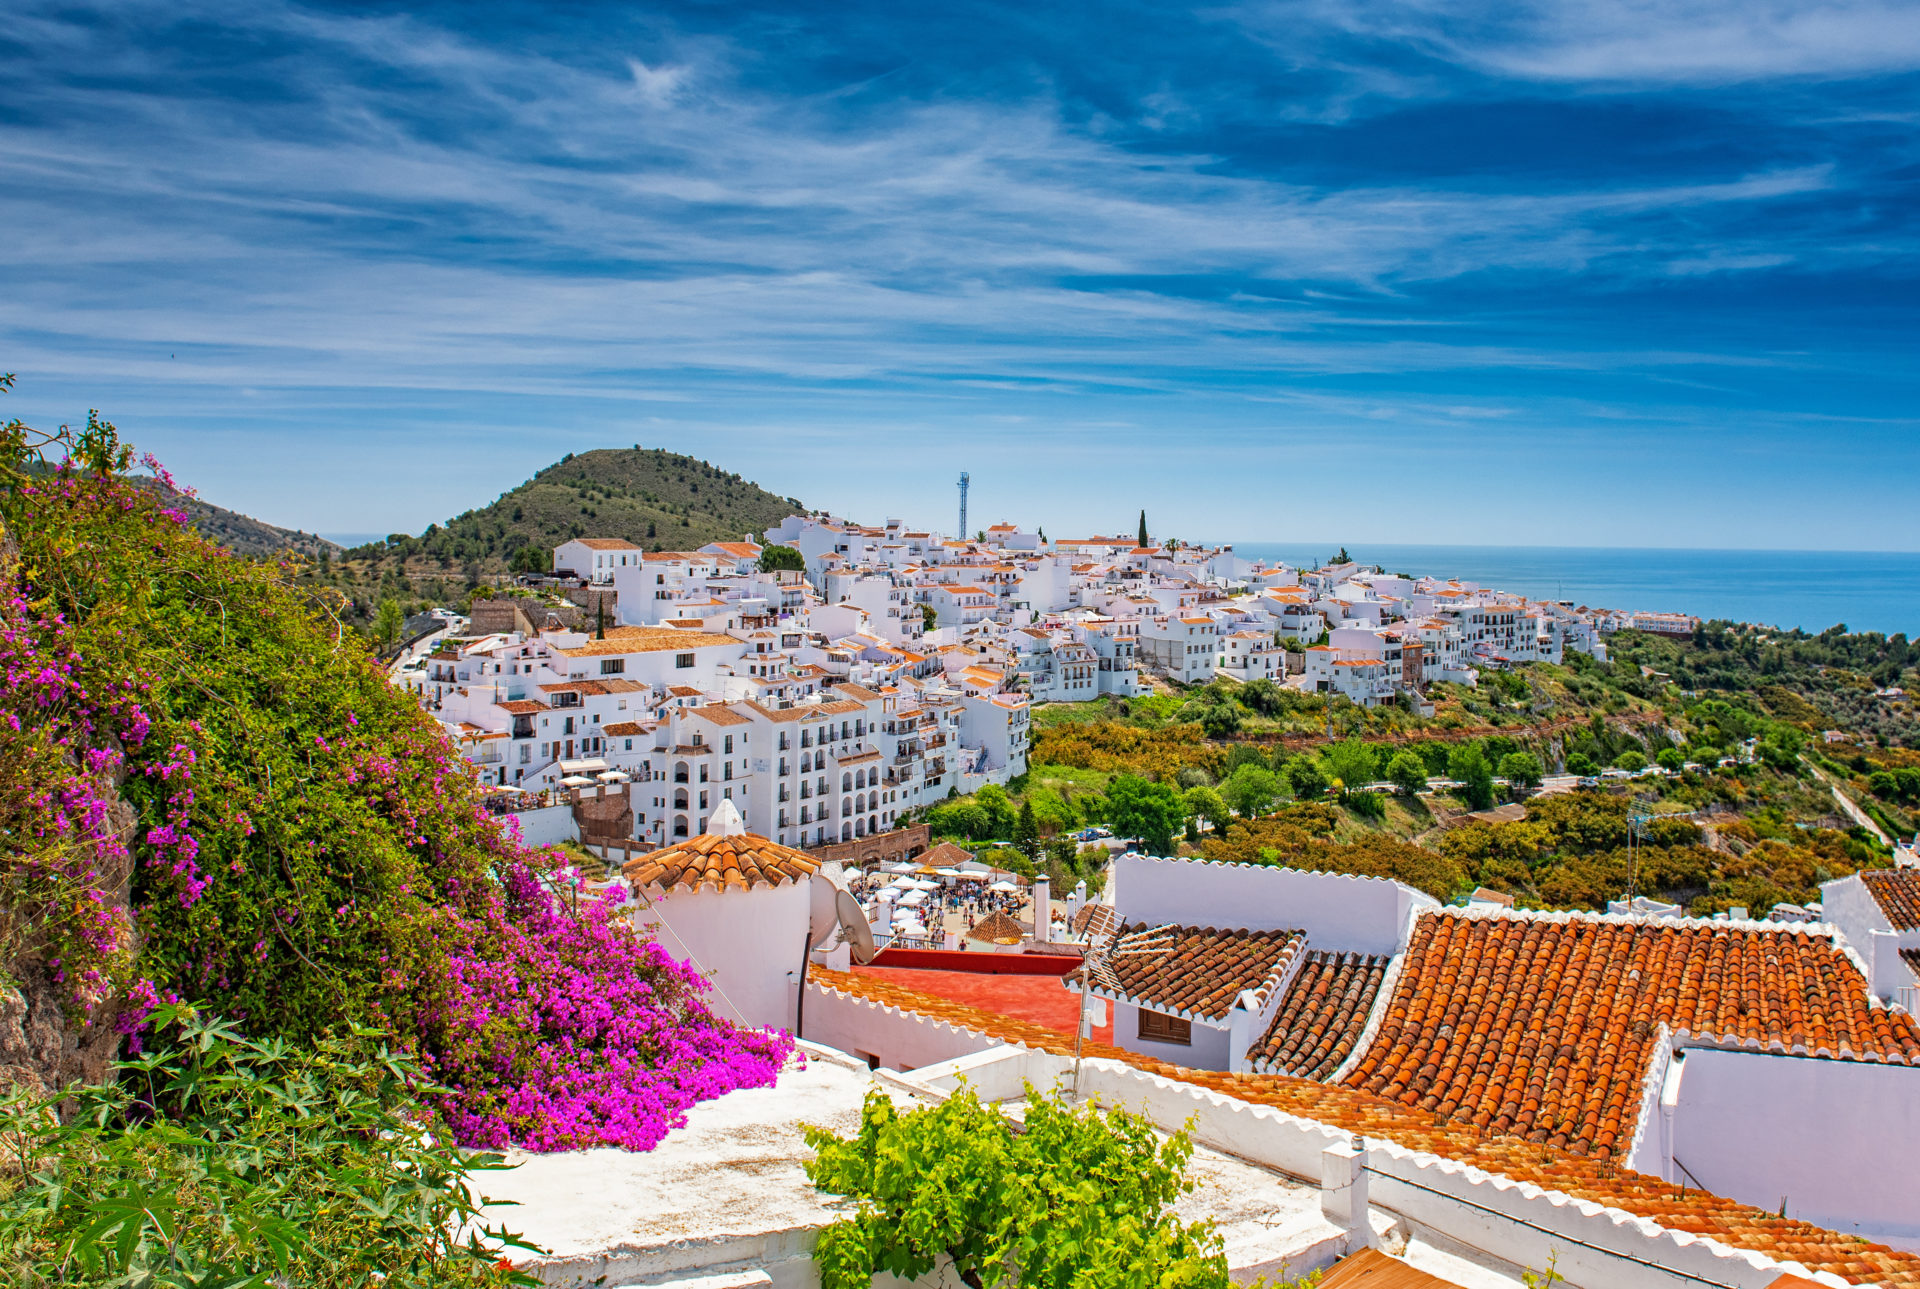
243	534
654	498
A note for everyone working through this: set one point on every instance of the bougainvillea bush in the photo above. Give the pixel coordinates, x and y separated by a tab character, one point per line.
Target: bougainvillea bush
308	853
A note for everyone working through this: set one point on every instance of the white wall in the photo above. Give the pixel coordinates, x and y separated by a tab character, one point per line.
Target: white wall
1847	905
1839	1139
548	826
899	1040
1338	912
748	943
1211	1048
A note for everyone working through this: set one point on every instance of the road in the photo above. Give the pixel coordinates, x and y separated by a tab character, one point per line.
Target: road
1847	807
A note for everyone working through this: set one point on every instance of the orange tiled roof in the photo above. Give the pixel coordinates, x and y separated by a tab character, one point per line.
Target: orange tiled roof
1675	1207
648	640
1322	1015
946	855
995	927
1897	892
1206	969
1096	919
740	862
1539	1027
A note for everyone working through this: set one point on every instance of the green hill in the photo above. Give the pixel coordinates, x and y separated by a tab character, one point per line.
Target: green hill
243	534
654	498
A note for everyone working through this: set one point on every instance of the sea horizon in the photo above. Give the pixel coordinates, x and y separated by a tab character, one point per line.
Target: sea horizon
1788	589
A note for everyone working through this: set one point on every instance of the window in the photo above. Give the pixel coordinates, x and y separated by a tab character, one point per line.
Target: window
683	660
612	666
1156	1028
729	745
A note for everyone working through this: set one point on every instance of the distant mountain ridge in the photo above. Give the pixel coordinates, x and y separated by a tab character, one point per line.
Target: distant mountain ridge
242	534
653	498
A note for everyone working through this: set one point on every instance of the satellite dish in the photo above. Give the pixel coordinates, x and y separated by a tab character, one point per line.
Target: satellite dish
853	927
823	913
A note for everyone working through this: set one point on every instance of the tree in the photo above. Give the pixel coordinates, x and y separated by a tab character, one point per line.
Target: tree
1521	769
960	818
1351	762
1408	773
1343	557
1631	760
1215	709
1581	764
388	622
1263	696
1153	812
782	559
1000	812
1306	778
1026	832
1671	759
1207	803
1251	790
929	620
1143	528
530	559
1468	766
1077	1197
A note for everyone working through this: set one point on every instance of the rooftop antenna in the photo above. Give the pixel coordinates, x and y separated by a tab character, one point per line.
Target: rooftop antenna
962	534
1098	964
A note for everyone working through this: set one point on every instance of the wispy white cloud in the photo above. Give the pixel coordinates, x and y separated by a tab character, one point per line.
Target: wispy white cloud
654	222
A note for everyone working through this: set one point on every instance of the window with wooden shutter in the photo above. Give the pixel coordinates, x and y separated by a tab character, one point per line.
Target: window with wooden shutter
1158	1028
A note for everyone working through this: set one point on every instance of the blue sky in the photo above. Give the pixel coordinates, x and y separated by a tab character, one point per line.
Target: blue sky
1576	272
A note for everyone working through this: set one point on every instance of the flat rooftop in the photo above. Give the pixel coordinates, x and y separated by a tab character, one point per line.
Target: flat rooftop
1038	1000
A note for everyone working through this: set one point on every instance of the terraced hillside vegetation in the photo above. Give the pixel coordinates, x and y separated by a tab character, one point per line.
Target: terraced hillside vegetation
1713	743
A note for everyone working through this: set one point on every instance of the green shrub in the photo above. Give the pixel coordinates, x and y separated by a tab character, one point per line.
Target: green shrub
229	1161
1078	1197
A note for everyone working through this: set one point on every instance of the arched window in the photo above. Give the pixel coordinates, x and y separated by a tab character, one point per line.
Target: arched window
846	782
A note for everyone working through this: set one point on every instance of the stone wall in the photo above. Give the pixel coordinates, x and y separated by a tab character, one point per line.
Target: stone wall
604	814
880	848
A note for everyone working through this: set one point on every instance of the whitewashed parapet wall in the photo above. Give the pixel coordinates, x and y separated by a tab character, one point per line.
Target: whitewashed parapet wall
1338	911
1517	1223
887	1036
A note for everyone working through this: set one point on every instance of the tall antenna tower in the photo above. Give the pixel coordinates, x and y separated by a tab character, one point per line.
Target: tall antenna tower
962	534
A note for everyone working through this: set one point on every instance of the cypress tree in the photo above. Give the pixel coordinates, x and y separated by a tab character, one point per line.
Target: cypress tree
1143	527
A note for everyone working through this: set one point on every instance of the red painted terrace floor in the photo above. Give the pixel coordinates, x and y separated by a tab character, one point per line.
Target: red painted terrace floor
1038	1000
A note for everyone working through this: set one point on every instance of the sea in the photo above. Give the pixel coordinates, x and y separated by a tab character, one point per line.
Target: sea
1812	590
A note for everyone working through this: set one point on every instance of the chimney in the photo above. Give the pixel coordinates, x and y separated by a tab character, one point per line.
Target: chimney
1042	909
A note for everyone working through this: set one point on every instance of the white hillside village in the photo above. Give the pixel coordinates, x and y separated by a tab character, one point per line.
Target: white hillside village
899	666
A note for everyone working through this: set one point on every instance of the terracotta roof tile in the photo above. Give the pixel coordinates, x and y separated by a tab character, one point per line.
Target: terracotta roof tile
997	927
1539	1027
1322	1016
1599	1181
1204	972
739	862
946	855
1897	891
1096	919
